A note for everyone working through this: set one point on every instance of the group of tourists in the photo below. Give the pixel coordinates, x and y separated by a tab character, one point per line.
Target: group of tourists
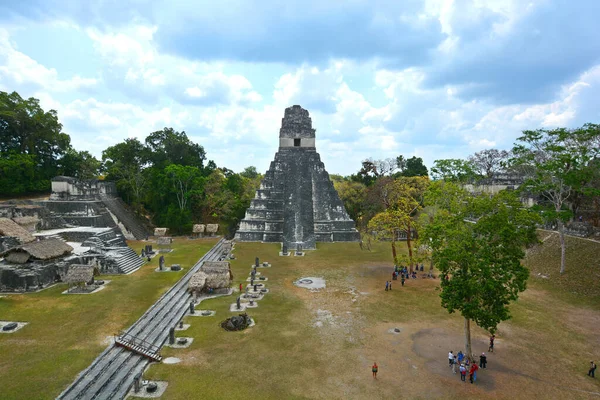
403	273
468	365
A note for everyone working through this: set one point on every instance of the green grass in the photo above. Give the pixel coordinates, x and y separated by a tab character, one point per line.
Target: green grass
66	332
285	356
581	281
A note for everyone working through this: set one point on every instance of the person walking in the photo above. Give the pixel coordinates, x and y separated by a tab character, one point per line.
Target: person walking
592	371
454	362
374	369
390	285
463	373
241	288
491	348
483	360
450	359
402	280
387	285
475	368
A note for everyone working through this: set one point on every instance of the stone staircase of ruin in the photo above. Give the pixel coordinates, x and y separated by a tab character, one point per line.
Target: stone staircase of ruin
128	261
120	210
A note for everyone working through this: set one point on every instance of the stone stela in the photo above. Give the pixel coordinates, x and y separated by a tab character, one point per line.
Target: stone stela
296	203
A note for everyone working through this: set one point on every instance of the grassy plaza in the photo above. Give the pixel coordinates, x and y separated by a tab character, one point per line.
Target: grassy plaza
314	344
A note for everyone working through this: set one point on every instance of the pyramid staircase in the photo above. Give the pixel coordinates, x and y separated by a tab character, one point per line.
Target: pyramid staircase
120	210
127	261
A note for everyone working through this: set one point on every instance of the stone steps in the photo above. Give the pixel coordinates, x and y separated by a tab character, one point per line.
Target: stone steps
129	261
119	209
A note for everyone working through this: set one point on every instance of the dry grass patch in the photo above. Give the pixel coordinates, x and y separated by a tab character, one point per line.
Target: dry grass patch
321	344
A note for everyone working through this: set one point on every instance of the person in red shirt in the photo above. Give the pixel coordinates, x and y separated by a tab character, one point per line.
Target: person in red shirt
375	369
473	372
241	288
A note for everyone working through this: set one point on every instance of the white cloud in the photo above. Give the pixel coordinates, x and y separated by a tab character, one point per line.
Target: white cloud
18	70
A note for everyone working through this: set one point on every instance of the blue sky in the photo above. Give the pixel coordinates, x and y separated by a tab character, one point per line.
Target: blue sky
431	78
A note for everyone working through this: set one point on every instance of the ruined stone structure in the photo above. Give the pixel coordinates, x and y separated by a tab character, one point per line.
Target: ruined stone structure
83	222
93	203
296	203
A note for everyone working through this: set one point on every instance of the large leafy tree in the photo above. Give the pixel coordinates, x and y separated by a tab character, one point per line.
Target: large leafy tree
411	166
29	133
455	170
354	196
402	199
489	162
168	146
562	164
80	164
125	163
478	244
18	175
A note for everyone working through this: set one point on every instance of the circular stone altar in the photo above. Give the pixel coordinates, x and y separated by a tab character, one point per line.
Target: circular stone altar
311	283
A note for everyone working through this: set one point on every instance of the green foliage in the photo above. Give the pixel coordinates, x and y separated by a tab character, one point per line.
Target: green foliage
32	141
354	197
411	166
19	174
562	165
454	170
478	244
80	164
168	146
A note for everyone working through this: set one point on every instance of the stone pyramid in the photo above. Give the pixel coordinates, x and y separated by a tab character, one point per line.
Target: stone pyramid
296	203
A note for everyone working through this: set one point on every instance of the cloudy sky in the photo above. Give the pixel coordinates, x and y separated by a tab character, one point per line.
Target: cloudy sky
431	78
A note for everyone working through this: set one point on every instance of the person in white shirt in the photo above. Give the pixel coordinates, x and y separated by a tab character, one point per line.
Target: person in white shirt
450	359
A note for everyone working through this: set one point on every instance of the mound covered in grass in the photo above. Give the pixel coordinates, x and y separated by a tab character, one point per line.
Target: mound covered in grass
582	273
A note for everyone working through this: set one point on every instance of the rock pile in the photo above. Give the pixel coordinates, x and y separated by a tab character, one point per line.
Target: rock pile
237	323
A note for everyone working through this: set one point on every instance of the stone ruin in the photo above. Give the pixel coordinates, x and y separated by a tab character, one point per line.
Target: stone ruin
211	229
82	223
159	232
164	244
237	323
198	229
296	203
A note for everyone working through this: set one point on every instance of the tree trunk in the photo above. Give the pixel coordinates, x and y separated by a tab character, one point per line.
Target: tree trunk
468	351
409	245
561	233
431	266
394	249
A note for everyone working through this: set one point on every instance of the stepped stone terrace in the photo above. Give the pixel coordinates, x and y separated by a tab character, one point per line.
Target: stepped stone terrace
82	223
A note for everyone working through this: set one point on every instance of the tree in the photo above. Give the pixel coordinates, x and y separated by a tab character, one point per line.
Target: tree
184	180
562	162
18	175
411	166
250	172
80	164
487	163
455	170
402	199
125	163
171	147
354	196
368	173
26	129
478	244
